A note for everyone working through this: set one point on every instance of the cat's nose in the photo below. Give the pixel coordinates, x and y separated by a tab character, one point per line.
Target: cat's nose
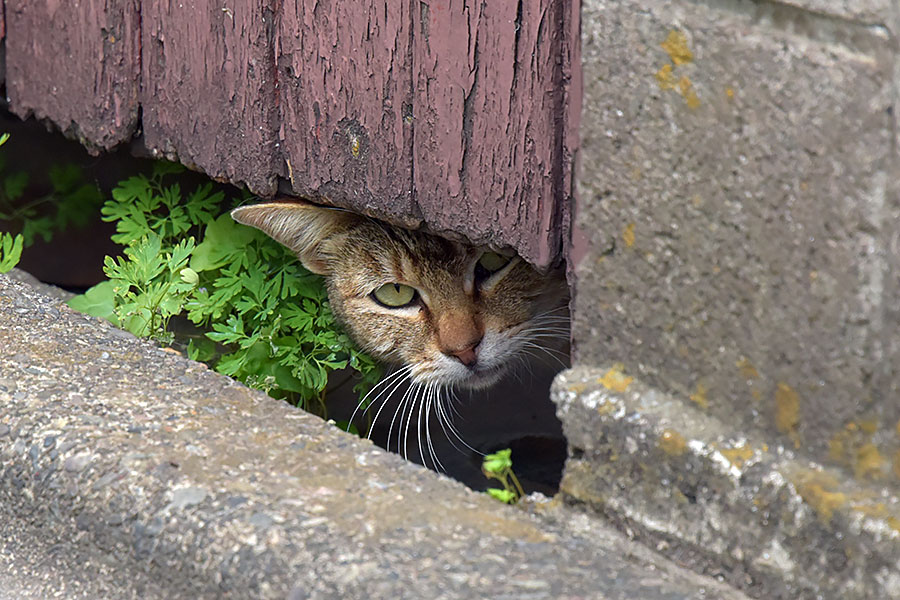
467	356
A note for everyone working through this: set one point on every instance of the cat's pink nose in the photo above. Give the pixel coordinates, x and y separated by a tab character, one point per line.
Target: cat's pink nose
467	356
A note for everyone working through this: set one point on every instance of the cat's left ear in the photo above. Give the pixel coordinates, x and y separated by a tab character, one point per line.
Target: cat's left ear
303	227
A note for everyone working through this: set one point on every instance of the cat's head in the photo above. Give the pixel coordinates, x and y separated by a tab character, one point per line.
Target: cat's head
454	314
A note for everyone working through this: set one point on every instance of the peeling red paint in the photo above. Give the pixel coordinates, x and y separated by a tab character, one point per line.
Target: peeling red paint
457	115
208	93
76	64
344	72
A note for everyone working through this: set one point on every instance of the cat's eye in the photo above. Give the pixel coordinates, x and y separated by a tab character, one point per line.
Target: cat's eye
491	262
394	295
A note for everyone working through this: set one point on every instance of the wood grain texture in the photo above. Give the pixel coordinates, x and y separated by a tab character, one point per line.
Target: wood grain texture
456	115
76	64
209	88
345	80
488	127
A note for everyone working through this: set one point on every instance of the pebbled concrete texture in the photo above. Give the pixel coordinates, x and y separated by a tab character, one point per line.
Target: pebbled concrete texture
127	471
763	517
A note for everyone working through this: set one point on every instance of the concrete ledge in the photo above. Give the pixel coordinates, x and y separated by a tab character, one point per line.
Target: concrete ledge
757	515
130	472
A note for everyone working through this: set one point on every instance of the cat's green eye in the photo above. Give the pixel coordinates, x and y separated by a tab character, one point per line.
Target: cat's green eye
493	262
394	295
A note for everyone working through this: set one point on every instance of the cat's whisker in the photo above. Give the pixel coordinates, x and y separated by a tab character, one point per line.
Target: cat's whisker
401	405
454	431
444	421
414	399
552	311
435	461
528	348
454	399
384	403
384	382
419	423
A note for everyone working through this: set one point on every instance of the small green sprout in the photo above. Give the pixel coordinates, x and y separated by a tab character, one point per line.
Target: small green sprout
499	466
10	251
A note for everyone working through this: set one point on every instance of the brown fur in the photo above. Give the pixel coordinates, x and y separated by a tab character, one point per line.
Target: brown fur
461	332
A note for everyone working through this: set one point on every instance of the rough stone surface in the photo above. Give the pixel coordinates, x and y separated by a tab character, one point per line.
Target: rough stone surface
127	471
760	516
738	217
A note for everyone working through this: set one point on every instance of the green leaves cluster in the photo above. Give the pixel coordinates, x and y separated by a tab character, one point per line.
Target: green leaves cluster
499	466
264	318
70	201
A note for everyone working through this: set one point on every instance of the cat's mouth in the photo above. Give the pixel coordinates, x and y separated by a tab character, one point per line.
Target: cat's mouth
482	377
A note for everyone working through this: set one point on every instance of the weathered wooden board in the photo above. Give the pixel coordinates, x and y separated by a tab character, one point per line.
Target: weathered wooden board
77	64
209	91
455	114
488	121
345	87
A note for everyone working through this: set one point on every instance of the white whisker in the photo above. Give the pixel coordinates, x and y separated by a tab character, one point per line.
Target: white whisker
384	402
384	382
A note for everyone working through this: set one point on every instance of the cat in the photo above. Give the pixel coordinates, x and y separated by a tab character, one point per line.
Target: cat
448	315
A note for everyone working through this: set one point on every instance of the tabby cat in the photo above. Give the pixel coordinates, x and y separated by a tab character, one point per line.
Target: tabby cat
449	315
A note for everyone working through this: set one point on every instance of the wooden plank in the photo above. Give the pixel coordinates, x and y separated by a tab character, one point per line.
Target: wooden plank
209	89
76	64
490	121
345	78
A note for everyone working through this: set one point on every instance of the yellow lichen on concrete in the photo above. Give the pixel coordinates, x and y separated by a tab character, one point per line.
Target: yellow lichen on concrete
729	92
628	235
894	523
897	464
665	78
578	388
672	443
687	92
787	411
738	455
869	462
869	426
699	396
676	46
817	490
604	408
615	380
837	446
746	368
878	510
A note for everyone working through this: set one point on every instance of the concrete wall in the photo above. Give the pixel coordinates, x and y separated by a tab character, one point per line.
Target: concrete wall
736	250
738	207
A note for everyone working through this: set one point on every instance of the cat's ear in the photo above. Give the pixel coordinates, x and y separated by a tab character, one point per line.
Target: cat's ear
303	227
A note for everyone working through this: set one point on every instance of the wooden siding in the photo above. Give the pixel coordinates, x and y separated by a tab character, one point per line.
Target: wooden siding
455	115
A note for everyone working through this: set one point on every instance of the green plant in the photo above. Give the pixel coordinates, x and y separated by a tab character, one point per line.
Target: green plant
499	466
70	201
266	320
10	251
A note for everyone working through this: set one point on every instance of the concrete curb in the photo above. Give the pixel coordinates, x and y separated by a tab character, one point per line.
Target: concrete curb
130	472
758	515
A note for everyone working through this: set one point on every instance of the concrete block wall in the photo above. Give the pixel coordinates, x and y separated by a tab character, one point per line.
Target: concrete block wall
736	253
738	213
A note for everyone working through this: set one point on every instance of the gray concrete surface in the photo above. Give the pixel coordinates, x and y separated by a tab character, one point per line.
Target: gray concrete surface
761	516
127	471
738	217
738	252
